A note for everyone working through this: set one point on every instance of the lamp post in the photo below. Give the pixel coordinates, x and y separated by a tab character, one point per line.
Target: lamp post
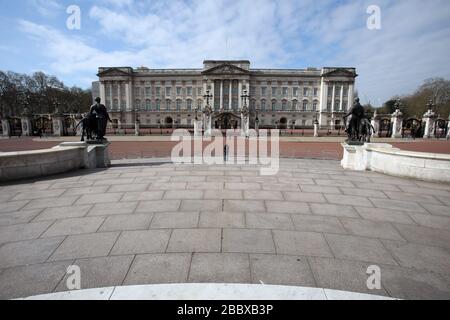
244	98
207	96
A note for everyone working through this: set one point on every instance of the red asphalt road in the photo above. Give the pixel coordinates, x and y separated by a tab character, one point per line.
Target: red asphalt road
152	149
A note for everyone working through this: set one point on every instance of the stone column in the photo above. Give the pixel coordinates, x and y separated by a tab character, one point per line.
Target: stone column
430	118
58	129
119	95
341	102
221	95
212	93
128	101
102	92
397	123
6	128
111	94
332	121
350	96
448	129
27	129
240	90
332	97
230	102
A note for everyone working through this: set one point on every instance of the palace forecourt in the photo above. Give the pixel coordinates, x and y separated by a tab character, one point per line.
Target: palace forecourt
313	224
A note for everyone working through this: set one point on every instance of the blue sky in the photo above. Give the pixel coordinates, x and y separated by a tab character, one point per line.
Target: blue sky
412	45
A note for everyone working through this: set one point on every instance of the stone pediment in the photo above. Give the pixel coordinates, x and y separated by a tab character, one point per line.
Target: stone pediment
340	73
226	69
112	72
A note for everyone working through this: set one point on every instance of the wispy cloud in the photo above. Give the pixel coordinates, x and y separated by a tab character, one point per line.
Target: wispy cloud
411	46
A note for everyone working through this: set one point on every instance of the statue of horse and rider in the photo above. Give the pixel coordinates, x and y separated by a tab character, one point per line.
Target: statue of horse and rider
357	125
94	123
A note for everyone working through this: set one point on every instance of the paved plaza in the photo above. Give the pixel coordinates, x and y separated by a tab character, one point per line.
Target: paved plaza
312	225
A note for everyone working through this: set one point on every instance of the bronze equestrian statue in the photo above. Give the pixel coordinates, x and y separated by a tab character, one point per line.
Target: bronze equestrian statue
95	122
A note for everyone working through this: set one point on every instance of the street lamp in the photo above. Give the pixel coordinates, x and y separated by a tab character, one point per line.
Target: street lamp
430	104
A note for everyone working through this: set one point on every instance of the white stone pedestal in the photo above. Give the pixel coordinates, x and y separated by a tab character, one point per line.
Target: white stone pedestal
397	124
136	128
198	127
27	129
207	122
429	117
58	128
316	129
6	128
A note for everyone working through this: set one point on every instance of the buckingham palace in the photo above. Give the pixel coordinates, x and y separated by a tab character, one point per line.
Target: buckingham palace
272	98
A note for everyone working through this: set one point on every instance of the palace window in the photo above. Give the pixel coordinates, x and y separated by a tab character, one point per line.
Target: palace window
199	103
294	105
199	91
137	104
189	91
274	105
158	105
337	103
148	91
252	91
178	105
137	92
115	104
316	92
284	105
305	92
285	91
123	104
274	91
263	91
122	90
315	105
263	105
168	104
168	91
337	91
158	91
295	92
305	105
189	104
178	91
252	104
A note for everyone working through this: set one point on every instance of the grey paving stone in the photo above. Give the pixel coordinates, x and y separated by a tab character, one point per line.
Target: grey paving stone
422	198
195	240
377	186
175	220
424	235
85	190
223	194
421	191
371	229
100	272
432	185
242	186
398	205
431	221
24	231
437	209
104	198
281	270
410	284
221	220
63	212
317	223
393	180
363	192
113	182
198	205
100	176
142	196
224	179
128	187
299	181
287	207
220	268
18	217
30	195
301	243
281	186
359	248
247	241
28	251
62	201
158	206
25	281
420	257
159	268
244	206
114	208
141	241
167	186
336	210
444	200
304	197
85	246
262	195
138	174
334	183
378	214
342	275
348	200
183	194
74	226
187	179
269	221
320	189
138	221
205	185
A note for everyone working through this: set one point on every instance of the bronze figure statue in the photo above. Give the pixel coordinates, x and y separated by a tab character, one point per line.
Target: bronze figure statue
355	123
95	122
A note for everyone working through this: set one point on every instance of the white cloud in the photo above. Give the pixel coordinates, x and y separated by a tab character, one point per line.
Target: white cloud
46	7
410	47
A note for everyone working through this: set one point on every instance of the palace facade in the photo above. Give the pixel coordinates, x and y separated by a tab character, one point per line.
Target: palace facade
274	98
